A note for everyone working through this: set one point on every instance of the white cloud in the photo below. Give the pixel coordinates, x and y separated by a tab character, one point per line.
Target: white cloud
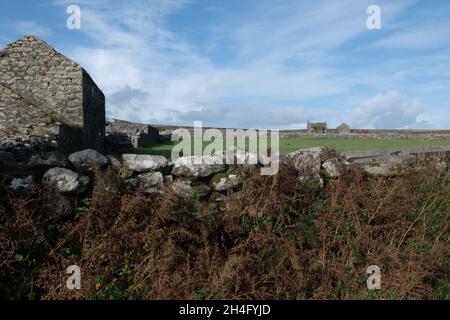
167	80
285	117
133	47
390	110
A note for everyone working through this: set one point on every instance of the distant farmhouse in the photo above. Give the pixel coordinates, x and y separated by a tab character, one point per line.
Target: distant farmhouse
322	127
43	92
140	135
317	127
344	128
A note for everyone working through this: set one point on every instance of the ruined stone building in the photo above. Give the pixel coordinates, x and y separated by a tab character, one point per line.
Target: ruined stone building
318	127
140	135
43	92
343	128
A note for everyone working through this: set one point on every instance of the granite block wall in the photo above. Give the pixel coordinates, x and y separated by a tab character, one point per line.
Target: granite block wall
40	89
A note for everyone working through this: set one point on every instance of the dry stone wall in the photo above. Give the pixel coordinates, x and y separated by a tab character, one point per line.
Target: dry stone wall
139	135
72	176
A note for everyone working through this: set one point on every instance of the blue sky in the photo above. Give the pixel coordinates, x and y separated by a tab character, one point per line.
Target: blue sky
255	63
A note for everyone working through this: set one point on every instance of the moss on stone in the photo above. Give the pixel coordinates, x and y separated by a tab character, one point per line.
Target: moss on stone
39	132
217	177
214	196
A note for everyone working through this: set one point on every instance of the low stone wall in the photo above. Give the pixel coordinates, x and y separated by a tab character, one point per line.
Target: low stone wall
139	135
26	164
15	155
351	136
354	155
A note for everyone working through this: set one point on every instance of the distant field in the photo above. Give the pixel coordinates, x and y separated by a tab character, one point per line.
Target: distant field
294	131
288	145
341	145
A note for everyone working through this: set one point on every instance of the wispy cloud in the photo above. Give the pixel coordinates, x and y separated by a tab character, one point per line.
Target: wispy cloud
30	27
277	65
389	110
421	37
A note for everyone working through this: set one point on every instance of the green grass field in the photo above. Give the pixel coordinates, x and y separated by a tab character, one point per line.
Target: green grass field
288	145
342	145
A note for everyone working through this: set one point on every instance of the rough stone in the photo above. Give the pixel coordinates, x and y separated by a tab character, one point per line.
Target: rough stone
387	165
7	144
132	183
114	162
85	182
85	160
307	162
224	182
335	167
51	161
59	206
248	161
152	182
144	163
186	189
125	173
22	184
182	188
63	180
355	155
168	179
139	135
187	167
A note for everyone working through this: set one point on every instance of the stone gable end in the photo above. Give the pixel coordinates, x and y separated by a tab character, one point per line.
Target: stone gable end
41	89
